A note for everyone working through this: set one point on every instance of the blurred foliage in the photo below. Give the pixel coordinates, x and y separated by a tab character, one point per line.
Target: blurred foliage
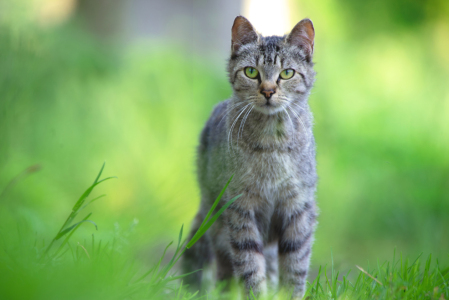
68	102
381	104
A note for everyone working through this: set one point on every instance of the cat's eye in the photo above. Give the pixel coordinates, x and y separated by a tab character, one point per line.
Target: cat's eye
251	72
287	74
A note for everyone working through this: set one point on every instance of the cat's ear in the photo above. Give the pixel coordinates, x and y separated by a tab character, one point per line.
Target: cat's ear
303	36
242	33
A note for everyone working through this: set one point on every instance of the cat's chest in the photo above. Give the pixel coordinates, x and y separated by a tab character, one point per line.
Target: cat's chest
268	172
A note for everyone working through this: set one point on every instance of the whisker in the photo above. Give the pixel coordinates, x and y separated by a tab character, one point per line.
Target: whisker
297	105
291	121
302	124
233	105
298	117
243	122
233	124
285	99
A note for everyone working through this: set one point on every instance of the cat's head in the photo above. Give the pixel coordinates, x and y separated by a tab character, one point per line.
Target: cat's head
271	72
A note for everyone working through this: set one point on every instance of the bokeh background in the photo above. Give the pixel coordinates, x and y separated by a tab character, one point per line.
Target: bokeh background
132	83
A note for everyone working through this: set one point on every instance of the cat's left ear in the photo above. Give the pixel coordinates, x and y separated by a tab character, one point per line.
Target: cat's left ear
303	35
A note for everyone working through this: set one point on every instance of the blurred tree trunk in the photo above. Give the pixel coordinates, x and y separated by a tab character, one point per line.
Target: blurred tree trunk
103	17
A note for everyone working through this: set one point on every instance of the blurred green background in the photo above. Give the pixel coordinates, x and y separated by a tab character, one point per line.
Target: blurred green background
81	83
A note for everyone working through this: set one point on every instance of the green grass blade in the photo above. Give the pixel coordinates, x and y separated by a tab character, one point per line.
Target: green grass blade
175	257
202	230
379	271
216	202
71	233
104	179
156	267
171	278
86	194
146	274
329	287
253	297
318	279
67	230
179	291
69	220
310	288
416	260
99	173
92	201
211	210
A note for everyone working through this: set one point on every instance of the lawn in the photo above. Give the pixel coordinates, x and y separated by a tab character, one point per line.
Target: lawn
63	268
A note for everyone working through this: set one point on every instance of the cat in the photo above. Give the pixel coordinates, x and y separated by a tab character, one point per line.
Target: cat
262	135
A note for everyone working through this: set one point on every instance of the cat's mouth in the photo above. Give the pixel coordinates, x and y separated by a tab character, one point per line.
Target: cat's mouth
269	108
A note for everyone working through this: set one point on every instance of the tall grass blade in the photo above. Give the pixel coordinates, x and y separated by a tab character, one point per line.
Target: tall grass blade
198	234
92	201
66	227
67	230
72	232
202	230
214	205
86	194
99	173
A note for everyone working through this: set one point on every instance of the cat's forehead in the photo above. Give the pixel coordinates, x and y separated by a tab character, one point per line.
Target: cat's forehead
271	50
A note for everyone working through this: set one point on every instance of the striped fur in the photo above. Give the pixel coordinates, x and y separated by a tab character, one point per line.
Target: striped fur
265	237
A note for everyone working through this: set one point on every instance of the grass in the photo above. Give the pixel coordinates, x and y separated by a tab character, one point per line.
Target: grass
95	269
398	279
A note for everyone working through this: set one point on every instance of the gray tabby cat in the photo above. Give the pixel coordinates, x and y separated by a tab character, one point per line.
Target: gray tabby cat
263	135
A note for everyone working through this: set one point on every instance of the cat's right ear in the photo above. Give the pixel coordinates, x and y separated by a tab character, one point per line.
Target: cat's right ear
302	36
242	33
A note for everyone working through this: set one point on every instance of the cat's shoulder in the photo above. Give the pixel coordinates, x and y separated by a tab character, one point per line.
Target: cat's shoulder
218	117
219	110
215	125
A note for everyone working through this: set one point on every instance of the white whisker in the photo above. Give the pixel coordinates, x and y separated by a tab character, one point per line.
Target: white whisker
228	109
291	121
299	119
297	105
243	122
233	124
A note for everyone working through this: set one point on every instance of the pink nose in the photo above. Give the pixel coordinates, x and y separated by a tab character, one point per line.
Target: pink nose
268	93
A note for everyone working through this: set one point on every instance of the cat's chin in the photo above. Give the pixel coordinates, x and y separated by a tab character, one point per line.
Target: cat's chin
268	109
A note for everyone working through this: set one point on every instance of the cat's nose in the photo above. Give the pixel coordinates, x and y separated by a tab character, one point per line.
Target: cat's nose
267	93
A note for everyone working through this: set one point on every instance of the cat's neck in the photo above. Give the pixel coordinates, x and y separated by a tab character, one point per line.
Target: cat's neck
249	127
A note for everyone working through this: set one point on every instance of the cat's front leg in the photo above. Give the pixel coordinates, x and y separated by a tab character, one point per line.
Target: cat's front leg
295	242
246	245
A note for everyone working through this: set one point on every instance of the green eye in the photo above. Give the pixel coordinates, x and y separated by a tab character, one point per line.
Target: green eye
251	72
287	74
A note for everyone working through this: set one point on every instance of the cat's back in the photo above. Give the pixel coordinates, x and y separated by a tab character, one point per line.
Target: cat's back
211	150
